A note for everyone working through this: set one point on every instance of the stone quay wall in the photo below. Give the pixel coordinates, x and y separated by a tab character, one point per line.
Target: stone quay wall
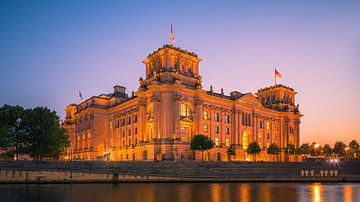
97	171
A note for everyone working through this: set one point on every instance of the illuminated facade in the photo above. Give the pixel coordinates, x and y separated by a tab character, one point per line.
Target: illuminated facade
170	106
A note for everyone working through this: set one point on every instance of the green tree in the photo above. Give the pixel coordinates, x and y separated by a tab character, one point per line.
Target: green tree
201	143
327	150
273	150
290	149
253	149
305	148
353	148
13	134
339	148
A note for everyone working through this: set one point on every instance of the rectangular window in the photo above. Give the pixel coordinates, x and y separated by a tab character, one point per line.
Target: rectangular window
227	131
135	118
129	120
217	117
206	115
227	142
227	118
129	132
268	136
111	125
217	129
261	124
135	131
268	125
206	129
217	141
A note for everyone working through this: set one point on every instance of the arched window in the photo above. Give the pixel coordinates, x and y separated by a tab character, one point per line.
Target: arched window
185	110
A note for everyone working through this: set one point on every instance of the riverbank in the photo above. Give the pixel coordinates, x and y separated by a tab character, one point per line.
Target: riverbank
187	171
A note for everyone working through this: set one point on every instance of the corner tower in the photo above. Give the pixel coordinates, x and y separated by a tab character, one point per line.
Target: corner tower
169	64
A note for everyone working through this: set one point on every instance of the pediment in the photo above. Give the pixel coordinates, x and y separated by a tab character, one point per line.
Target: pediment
250	99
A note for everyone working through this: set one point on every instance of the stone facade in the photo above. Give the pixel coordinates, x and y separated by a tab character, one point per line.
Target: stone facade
170	106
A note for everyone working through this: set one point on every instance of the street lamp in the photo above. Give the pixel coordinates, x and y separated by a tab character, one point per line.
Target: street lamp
316	148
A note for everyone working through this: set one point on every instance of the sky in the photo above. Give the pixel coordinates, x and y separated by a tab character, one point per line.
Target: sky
49	50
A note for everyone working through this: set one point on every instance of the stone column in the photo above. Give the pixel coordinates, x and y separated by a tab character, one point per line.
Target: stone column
197	116
176	99
142	120
156	100
165	116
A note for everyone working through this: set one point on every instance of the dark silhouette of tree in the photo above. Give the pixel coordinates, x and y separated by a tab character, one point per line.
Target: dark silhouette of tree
353	149
201	143
305	149
253	149
273	150
327	150
339	148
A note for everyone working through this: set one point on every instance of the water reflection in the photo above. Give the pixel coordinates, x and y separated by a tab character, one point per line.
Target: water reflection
316	192
173	192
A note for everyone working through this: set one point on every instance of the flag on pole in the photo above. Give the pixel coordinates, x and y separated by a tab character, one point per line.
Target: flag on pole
172	35
80	95
277	74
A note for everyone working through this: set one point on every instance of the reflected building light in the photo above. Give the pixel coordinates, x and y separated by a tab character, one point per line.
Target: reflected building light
215	192
348	193
316	194
245	192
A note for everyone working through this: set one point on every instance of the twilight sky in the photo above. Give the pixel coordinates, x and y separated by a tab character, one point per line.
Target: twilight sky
49	50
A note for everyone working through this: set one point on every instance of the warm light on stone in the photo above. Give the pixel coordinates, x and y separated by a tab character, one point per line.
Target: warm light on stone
170	106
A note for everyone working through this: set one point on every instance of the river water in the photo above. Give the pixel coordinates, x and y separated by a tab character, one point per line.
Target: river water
172	192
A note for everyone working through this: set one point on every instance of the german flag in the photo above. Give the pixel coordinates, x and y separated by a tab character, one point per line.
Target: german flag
277	74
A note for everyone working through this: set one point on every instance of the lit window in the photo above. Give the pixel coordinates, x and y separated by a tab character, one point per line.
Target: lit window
206	129
217	129
227	142
111	125
268	125
267	144
185	110
260	135
217	141
275	126
206	115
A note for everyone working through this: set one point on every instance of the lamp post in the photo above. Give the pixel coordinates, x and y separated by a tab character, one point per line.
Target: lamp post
346	151
316	148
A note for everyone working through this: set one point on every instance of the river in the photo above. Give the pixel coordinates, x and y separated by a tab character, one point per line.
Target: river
172	192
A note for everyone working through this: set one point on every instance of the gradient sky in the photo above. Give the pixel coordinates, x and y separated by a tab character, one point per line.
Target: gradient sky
49	50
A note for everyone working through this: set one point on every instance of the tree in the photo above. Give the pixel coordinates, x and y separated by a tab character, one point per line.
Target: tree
13	135
273	149
327	150
46	137
253	149
353	148
339	148
201	143
231	151
304	149
290	149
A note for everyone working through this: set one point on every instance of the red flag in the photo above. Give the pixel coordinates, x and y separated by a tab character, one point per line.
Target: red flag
277	74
